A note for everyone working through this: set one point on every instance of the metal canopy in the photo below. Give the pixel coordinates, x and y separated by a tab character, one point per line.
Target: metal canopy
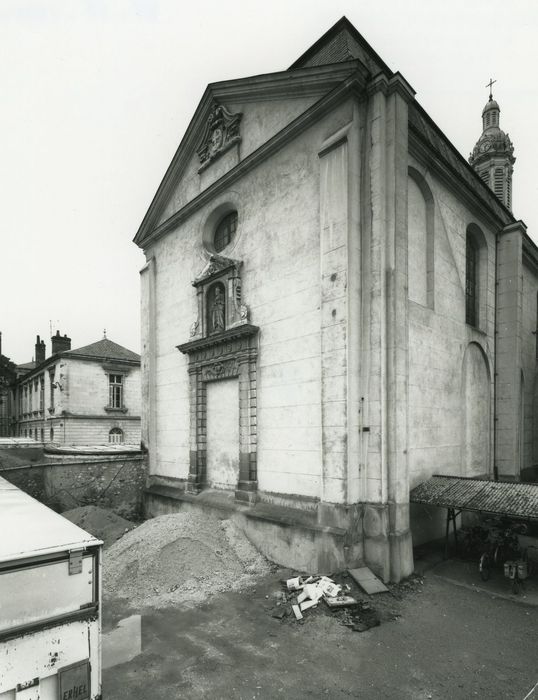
511	499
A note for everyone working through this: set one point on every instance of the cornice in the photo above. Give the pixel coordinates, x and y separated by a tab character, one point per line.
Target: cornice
390	85
353	85
98	416
470	190
245	330
104	360
515	226
65	355
301	83
529	249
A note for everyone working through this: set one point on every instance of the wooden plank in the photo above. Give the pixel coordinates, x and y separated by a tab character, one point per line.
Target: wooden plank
367	580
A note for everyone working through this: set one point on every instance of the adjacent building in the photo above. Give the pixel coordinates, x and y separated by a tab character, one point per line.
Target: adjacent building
86	396
335	306
7	377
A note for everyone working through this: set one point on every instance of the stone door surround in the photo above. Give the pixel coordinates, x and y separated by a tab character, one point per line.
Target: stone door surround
231	353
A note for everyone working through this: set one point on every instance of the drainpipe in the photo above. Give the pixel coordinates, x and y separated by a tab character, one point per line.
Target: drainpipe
495	467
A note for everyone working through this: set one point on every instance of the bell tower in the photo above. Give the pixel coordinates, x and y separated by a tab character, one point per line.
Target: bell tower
493	156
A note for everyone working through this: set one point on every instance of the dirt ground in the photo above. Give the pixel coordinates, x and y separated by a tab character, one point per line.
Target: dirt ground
438	638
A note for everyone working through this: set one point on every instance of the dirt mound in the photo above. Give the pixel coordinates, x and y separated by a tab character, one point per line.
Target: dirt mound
180	557
99	522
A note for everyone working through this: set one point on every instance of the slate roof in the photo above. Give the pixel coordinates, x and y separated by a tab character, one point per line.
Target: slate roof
26	365
513	499
104	349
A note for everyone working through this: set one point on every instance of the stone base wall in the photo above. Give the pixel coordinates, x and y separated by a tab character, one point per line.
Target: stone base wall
321	540
116	483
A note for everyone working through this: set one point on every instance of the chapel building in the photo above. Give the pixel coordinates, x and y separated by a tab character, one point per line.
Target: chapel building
335	306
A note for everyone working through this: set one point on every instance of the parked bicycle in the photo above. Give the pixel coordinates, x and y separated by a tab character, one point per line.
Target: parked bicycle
504	551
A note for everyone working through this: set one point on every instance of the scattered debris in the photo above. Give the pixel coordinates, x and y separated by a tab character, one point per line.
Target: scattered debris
341	597
297	612
343	601
367	580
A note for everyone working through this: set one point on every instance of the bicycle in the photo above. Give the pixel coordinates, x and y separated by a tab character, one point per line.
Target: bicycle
503	550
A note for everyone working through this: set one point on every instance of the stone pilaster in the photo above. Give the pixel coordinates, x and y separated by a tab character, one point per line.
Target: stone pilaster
508	351
387	537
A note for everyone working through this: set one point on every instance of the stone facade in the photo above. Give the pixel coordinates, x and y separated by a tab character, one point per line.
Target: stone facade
385	306
67	399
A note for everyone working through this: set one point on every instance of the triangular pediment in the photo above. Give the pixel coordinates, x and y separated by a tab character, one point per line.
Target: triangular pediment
215	266
249	112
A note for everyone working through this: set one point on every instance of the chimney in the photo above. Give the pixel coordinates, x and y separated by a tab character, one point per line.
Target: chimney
40	351
59	343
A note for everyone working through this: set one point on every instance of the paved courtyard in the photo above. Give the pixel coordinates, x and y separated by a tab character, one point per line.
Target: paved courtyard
446	636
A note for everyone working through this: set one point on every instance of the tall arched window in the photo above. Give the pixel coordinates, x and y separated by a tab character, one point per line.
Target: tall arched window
476	274
471	281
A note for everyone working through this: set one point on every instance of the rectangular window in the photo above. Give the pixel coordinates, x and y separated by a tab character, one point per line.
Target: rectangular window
115	390
42	394
51	377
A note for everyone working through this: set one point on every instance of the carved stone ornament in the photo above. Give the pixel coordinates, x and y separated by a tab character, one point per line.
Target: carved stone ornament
219	297
221	132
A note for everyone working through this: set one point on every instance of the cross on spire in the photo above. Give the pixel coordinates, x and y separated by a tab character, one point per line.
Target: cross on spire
104	333
490	86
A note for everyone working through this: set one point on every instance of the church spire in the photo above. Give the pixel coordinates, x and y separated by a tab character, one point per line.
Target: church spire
493	156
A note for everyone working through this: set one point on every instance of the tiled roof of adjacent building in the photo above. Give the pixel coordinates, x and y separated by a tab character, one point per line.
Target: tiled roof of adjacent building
27	365
104	349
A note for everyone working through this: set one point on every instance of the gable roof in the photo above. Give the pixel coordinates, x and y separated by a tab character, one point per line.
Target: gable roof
339	62
342	42
103	349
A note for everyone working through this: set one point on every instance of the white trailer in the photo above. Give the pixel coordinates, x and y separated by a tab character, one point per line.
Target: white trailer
50	598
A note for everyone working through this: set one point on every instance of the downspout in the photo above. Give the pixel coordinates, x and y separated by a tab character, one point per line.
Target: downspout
495	332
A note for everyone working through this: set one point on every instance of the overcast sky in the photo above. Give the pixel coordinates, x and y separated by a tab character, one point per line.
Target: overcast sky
96	95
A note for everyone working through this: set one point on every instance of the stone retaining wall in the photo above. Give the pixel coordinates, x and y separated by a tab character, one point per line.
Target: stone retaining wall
114	482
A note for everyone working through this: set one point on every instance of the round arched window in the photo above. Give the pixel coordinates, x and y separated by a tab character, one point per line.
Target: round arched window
115	436
225	231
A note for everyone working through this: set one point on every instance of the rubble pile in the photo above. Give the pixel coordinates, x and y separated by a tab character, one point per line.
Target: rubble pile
100	522
301	595
181	557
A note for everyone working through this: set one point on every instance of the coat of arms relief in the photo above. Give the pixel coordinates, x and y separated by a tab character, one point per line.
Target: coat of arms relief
220	134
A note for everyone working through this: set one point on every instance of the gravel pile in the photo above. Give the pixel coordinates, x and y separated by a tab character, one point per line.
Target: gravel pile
99	522
180	557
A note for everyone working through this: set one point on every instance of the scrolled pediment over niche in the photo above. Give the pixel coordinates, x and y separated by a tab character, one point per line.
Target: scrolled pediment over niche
221	133
219	297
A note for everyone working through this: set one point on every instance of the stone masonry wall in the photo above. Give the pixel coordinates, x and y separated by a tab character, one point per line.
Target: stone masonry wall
450	362
116	483
529	341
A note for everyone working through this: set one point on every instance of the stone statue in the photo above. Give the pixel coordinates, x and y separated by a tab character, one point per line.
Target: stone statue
217	311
